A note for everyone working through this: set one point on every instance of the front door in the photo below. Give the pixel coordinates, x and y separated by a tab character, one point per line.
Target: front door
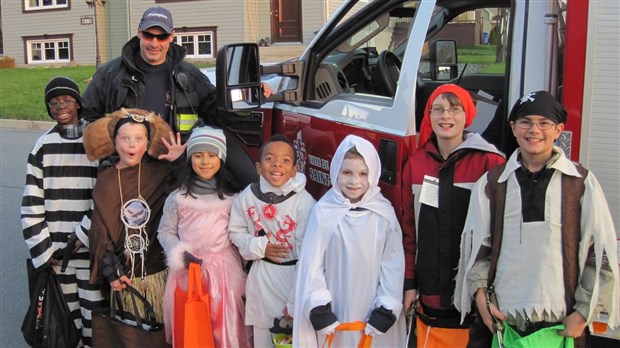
286	21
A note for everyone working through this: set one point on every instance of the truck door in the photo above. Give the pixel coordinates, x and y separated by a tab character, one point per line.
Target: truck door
350	85
368	73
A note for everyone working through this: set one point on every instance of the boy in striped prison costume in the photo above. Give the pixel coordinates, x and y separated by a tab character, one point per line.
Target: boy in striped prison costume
57	196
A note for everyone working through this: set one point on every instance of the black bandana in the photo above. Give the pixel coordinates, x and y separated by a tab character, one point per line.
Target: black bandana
133	118
538	103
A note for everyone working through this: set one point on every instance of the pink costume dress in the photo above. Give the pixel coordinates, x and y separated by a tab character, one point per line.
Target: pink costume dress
199	226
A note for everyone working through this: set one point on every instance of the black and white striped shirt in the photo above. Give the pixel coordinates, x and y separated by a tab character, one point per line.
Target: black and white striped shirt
57	196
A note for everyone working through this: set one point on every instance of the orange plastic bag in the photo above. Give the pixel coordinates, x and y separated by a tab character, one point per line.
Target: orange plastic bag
192	318
440	337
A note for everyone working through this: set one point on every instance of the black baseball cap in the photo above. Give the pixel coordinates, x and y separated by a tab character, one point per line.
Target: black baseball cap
157	17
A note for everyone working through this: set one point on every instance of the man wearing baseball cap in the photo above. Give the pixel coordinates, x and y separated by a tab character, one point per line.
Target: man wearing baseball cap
151	74
157	17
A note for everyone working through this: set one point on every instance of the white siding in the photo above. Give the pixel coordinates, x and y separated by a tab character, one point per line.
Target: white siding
312	16
17	24
117	30
251	20
600	142
226	15
235	20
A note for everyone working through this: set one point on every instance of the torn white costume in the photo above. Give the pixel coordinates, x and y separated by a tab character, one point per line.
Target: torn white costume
526	290
352	257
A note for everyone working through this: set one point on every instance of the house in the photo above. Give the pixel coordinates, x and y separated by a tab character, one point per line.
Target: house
471	28
86	32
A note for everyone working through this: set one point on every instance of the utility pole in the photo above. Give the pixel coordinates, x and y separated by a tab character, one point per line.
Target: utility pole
94	4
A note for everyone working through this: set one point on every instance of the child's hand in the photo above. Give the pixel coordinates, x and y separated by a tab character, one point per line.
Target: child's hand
175	148
276	252
487	318
409	298
189	257
287	316
120	283
575	323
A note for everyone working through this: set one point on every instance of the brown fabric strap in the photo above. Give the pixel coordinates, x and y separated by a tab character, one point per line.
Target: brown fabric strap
572	191
496	192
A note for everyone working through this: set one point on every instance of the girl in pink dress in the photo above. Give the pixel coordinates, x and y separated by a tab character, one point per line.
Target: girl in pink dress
193	228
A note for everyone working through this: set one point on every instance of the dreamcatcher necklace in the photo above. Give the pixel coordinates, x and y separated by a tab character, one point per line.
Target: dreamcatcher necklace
135	215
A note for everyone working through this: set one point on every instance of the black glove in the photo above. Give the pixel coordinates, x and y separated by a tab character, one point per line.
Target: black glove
108	162
382	319
189	257
112	267
282	326
68	252
322	317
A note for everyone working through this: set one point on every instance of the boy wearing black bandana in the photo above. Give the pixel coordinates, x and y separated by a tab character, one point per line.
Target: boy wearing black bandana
539	247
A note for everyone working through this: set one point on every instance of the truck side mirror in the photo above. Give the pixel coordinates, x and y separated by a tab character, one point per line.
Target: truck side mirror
443	60
238	77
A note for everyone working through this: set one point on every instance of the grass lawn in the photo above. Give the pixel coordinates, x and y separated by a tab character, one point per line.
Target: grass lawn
22	90
482	55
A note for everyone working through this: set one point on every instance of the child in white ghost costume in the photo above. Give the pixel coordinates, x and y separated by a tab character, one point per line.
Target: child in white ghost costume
267	224
352	263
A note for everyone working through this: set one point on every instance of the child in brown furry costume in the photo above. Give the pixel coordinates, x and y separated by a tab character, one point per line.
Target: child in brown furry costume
128	200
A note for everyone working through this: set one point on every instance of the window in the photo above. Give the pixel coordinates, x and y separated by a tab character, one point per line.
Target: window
198	44
42	50
45	4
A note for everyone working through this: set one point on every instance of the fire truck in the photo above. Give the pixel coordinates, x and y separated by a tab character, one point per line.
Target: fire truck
370	70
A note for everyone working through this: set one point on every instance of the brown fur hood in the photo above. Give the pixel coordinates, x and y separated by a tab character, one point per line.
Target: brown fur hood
99	135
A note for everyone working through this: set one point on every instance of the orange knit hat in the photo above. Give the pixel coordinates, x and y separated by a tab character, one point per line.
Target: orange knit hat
468	106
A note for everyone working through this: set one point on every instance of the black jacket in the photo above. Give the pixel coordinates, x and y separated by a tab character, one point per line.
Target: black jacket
119	83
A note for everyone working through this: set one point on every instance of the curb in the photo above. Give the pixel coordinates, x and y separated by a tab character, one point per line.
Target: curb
23	124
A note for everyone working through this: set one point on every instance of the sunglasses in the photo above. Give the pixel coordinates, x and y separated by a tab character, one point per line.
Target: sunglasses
151	36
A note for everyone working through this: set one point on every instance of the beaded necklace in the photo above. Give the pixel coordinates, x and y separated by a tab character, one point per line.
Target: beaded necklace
135	214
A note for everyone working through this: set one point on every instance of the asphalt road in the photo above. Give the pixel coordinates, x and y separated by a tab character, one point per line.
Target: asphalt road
15	144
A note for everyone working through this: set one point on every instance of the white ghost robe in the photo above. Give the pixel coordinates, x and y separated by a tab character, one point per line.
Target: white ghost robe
351	258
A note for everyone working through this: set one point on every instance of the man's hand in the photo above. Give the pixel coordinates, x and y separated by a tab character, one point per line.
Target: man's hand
487	318
267	91
276	252
175	148
121	283
575	324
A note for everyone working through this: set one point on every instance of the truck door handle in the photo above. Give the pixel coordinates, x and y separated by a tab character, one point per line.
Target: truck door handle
387	155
